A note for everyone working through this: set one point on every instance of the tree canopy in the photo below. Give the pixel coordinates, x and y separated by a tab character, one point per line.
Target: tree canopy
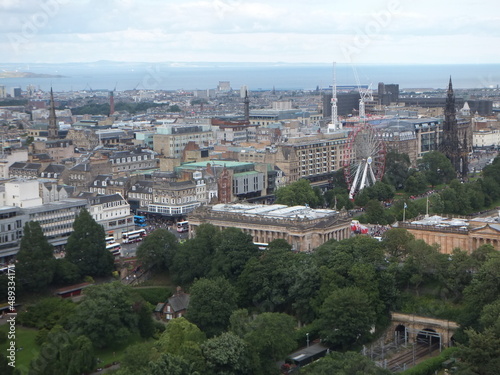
437	168
35	259
157	250
211	304
106	314
86	247
298	193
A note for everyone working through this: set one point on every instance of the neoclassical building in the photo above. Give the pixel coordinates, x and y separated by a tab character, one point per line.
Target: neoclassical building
302	227
456	233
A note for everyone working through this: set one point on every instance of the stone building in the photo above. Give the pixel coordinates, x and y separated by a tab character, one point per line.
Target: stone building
449	234
302	227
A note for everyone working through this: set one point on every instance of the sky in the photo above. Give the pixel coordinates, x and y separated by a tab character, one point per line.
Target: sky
312	31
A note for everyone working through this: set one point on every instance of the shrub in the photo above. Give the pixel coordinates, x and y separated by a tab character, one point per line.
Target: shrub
431	365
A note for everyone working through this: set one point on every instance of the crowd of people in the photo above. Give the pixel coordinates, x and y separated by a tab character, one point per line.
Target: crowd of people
378	230
154	222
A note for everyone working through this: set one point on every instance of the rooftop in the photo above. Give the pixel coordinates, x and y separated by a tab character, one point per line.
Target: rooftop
274	211
440	222
214	164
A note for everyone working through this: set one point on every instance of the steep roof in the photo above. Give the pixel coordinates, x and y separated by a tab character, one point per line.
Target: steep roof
179	301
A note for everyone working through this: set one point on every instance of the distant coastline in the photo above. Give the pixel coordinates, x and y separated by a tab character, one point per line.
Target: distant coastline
122	76
6	74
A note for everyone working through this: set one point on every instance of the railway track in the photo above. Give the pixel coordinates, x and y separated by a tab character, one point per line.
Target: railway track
410	357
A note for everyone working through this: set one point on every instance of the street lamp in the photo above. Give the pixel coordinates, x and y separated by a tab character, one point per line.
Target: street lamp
307	336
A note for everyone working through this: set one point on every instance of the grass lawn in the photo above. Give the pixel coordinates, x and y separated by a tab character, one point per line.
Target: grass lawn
159	279
25	338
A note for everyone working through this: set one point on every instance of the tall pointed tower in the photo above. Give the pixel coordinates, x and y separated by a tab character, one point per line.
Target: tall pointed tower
53	129
452	146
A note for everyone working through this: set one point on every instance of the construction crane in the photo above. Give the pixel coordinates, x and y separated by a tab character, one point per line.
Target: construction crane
364	96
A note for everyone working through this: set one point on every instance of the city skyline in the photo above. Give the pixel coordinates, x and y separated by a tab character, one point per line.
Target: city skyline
380	32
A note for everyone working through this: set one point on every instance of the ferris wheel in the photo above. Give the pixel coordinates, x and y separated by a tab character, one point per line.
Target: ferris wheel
365	160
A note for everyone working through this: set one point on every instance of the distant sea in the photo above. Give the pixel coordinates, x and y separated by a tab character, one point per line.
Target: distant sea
258	76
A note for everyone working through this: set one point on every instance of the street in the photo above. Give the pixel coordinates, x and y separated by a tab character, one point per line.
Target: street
129	249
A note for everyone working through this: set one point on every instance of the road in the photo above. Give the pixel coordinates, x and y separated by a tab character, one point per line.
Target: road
129	250
480	160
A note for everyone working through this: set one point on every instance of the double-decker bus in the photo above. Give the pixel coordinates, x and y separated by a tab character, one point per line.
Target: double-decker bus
110	239
140	220
114	248
134	236
182	226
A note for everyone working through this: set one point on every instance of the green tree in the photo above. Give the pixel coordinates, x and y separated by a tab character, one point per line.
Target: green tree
416	183
375	213
481	352
266	280
226	354
62	354
483	253
35	260
211	304
136	358
338	198
106	315
145	322
233	250
172	365
397	169
298	193
481	355
66	272
304	288
437	168
47	313
157	250
396	242
183	339
423	263
482	290
380	191
193	258
269	337
86	247
458	273
349	363
346	317
239	322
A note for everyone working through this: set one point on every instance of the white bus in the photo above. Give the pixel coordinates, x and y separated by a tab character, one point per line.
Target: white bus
182	226
114	248
110	239
134	236
261	245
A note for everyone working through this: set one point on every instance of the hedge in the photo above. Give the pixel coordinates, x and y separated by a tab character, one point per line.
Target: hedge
431	365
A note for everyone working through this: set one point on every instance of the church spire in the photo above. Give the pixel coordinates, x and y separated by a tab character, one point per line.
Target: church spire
53	128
